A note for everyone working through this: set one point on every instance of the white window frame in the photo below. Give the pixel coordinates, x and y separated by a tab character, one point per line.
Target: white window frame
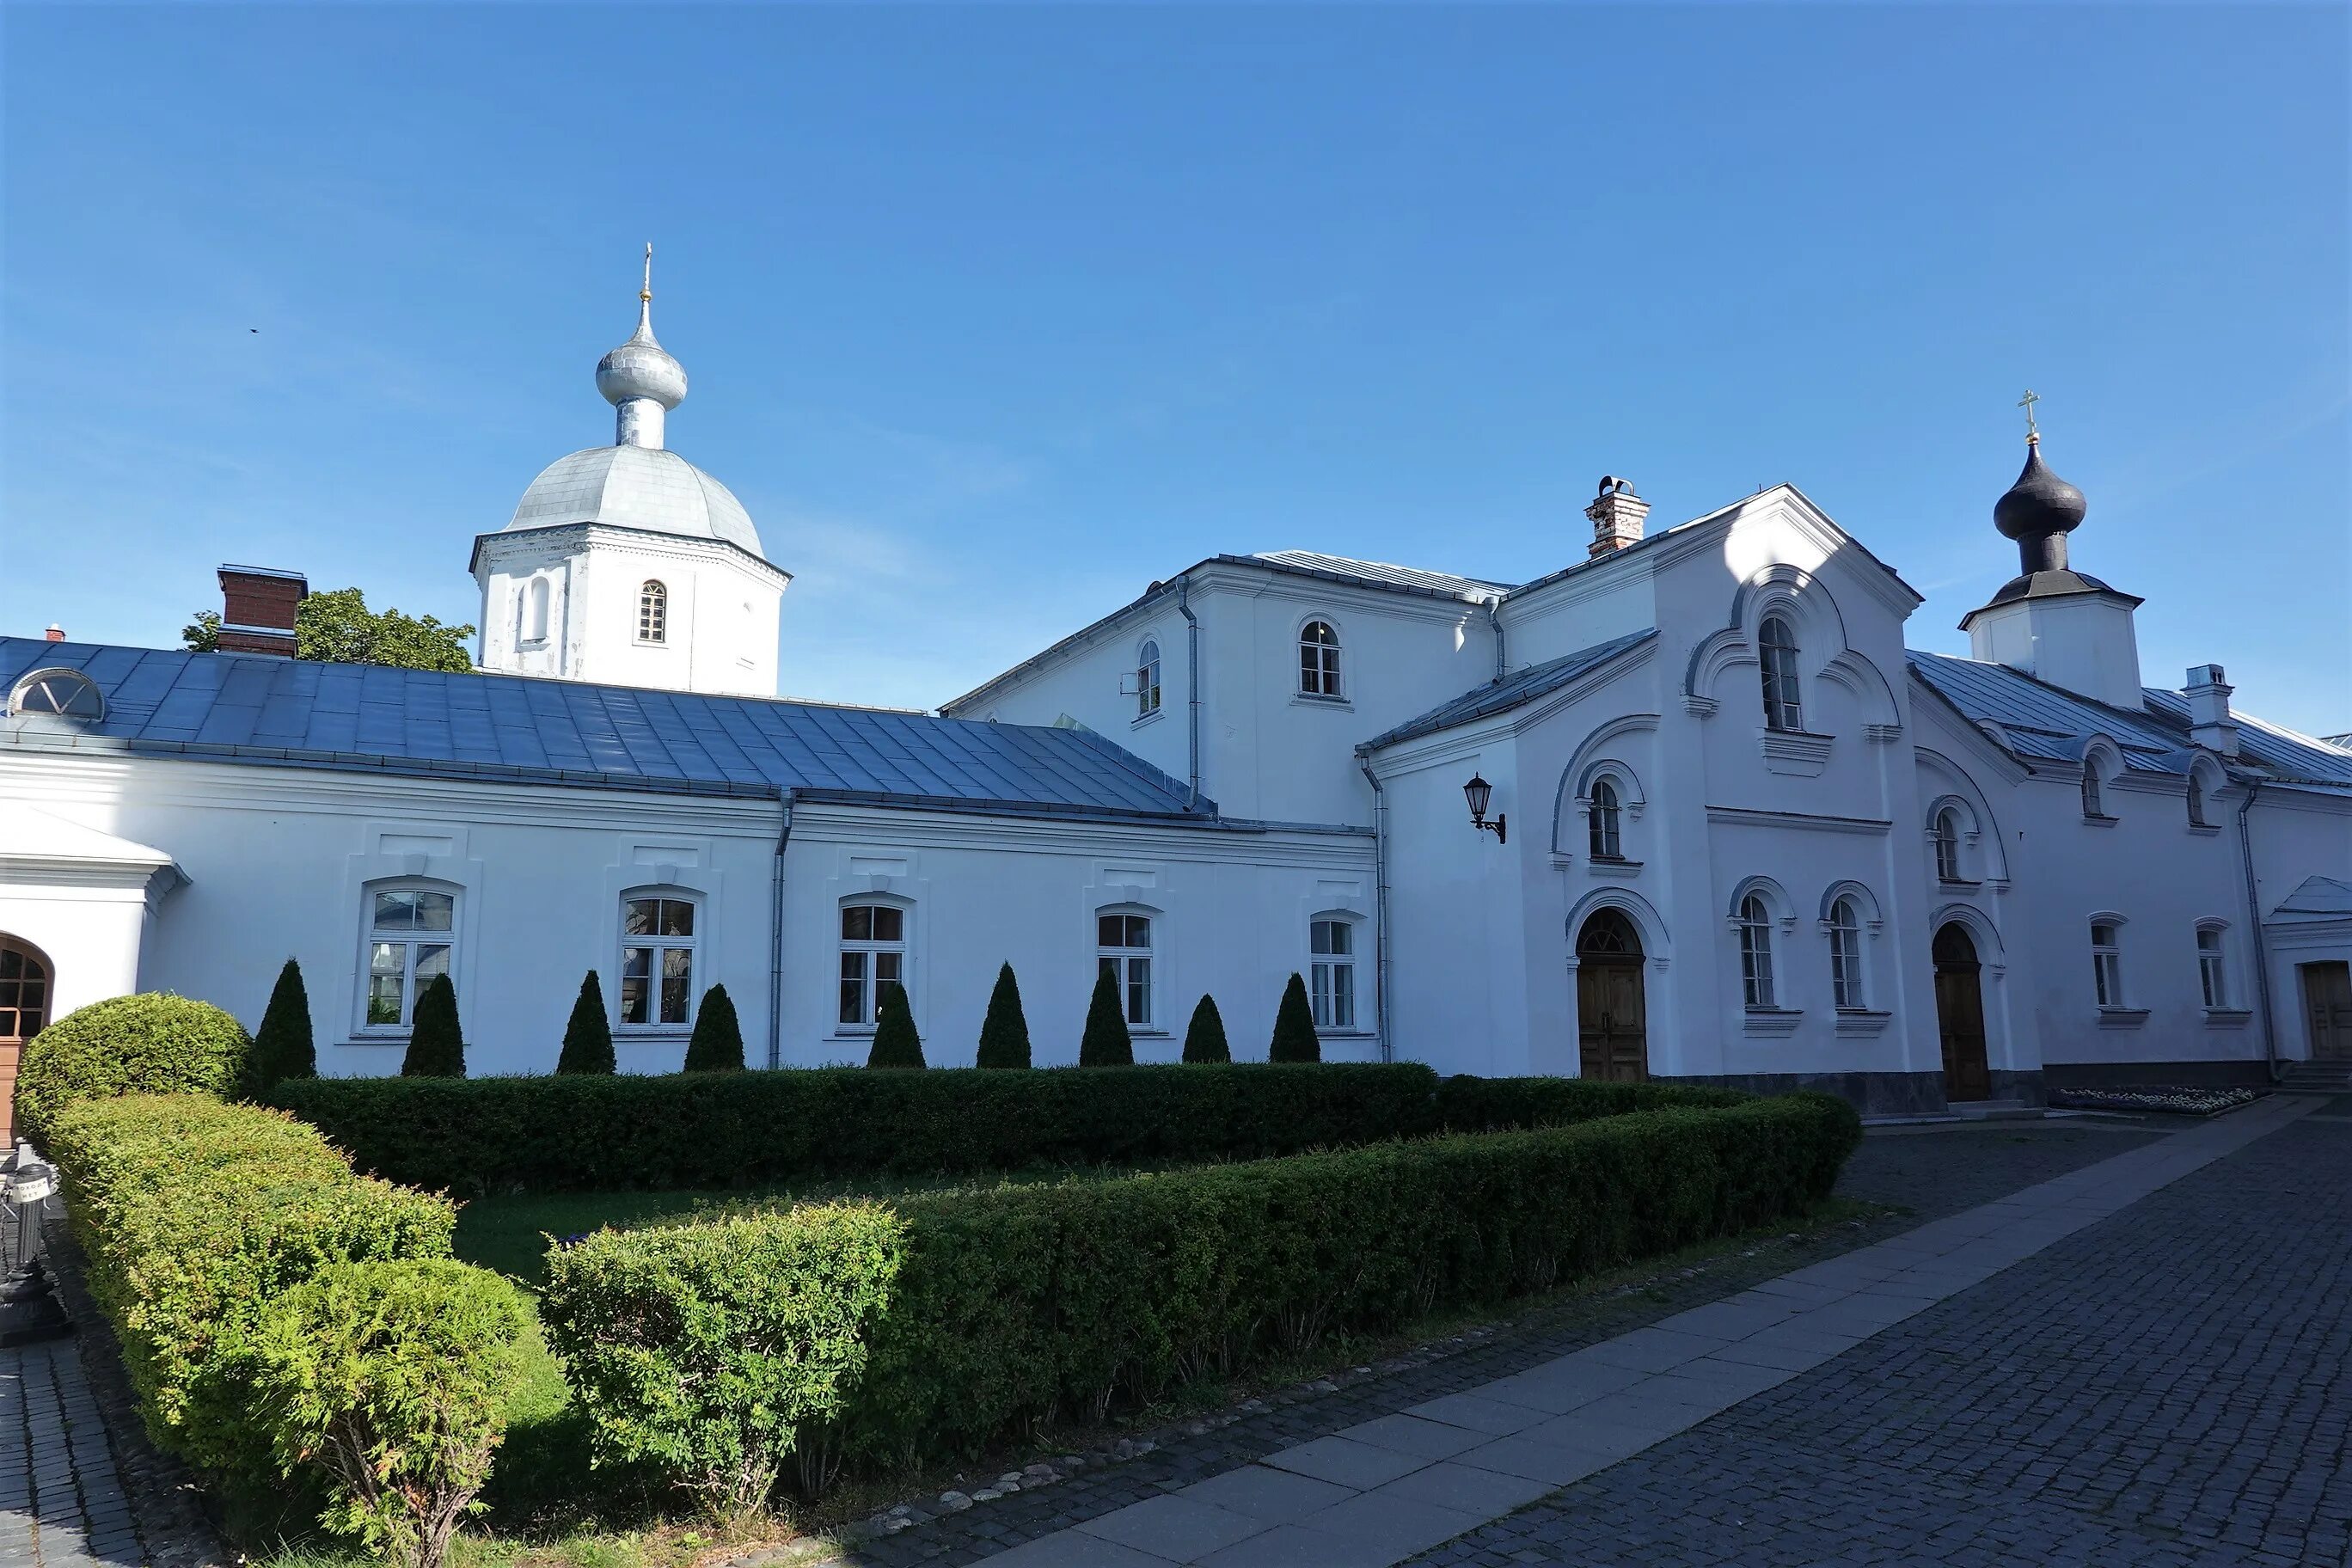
1331	971
652	613
410	939
1320	671
1133	970
658	946
1604	829
873	954
1757	990
2213	965
2107	963
1849	985
1777	661
1947	835
1146	678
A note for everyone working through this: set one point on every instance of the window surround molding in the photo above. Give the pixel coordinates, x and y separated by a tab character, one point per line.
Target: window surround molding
429	854
2116	1012
863	876
1145	667
1871	926
1966	841
910	967
533	615
1159	1000
2224	1013
697	979
676	868
1358	928
1816	623
1774	1017
2101	765
652	618
1340	645
1594	758
2201	792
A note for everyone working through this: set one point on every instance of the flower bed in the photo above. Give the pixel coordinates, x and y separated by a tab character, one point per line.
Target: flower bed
2171	1098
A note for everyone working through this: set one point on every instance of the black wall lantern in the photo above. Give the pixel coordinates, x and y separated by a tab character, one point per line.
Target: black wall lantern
1479	792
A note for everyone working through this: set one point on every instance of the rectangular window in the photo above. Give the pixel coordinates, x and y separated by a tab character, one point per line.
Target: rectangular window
2106	965
2211	972
657	946
409	935
1123	952
873	955
1332	974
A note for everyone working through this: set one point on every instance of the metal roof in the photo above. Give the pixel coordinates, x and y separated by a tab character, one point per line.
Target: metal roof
2041	721
250	708
650	489
1380	574
1496	696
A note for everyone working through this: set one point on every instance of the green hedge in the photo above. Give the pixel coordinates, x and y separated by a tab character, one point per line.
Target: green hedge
948	1321
196	1215
577	1133
151	1043
1466	1104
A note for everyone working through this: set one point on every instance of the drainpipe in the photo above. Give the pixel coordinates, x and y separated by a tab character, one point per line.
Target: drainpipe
2254	925
1380	911
776	933
1495	619
1192	686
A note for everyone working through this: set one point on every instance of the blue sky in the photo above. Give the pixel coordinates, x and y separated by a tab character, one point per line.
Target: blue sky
994	315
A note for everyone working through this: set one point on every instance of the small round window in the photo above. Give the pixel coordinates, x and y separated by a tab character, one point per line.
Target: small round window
58	694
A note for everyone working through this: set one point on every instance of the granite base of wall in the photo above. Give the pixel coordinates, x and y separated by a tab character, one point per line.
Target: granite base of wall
2027	1087
2238	1074
1872	1093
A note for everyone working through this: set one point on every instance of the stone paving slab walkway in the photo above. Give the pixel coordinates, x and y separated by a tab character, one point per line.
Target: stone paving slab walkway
1388	1489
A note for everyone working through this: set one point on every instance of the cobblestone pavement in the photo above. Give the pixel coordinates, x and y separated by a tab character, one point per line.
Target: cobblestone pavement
1932	1174
2166	1389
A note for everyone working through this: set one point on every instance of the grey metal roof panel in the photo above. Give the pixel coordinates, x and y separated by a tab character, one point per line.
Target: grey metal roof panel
1522	686
1380	574
251	706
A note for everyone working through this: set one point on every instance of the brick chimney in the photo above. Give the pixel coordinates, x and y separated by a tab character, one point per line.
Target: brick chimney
2210	724
258	605
1616	513
57	633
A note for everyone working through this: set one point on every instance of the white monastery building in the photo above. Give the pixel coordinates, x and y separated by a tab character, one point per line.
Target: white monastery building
1684	809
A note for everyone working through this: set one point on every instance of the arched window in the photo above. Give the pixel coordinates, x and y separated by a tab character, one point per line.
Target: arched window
1331	971
1777	650
534	610
1756	952
1146	678
2107	963
1608	843
2197	804
1123	952
653	612
1318	659
659	943
2212	965
410	934
1846	957
59	693
1948	846
24	990
873	955
2093	807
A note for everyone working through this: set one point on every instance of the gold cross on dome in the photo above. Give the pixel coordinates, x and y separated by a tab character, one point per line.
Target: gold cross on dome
647	291
2026	403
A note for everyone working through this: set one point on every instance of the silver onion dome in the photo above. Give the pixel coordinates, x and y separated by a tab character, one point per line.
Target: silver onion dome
640	377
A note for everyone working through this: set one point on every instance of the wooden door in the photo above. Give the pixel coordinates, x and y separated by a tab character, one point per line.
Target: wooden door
1612	1029
1960	1015
2327	1003
24	983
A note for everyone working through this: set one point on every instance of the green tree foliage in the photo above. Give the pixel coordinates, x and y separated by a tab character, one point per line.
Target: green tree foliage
153	1043
337	627
716	1044
1106	1043
1294	1028
588	1036
895	1044
1204	1036
1005	1033
437	1045
394	1378
282	1048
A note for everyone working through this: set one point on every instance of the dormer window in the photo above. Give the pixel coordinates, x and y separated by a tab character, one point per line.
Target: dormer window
653	612
2094	805
1776	652
2197	803
1318	659
59	693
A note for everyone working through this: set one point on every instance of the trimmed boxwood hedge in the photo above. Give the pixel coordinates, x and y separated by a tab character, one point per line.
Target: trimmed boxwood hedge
931	1326
195	1216
150	1043
575	1134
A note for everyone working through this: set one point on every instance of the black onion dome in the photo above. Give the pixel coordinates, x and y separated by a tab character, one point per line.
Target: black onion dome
2040	503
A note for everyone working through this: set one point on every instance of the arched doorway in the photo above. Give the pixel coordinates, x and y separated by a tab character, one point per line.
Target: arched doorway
25	982
1611	1038
1960	1015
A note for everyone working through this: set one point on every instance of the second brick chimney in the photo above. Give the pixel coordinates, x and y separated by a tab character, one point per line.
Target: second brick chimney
258	605
1616	513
